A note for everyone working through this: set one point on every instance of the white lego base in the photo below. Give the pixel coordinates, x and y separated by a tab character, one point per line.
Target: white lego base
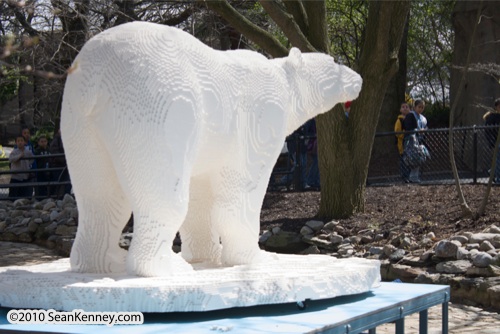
292	278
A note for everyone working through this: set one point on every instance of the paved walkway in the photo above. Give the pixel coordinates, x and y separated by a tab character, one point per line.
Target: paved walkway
462	319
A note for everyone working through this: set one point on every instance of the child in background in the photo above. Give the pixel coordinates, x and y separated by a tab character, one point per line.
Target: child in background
19	164
42	163
398	127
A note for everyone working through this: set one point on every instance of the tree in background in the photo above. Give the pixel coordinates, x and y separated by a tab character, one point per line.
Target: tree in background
344	145
481	85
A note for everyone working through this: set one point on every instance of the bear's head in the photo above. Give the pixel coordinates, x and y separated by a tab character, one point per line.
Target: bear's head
321	83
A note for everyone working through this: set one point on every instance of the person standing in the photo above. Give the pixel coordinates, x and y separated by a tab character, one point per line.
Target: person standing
415	121
61	175
493	118
312	181
19	164
399	128
43	163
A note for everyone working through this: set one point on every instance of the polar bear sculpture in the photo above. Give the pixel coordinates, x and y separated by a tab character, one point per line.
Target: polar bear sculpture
156	123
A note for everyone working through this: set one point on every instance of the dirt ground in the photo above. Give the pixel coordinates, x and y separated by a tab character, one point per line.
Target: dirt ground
414	209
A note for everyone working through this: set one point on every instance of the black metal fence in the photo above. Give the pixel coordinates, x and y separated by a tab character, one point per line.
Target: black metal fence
472	149
55	181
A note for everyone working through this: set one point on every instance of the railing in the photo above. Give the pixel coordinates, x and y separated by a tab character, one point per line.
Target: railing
55	185
472	150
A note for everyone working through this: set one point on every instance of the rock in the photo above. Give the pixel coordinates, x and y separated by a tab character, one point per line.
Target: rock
486	246
3	225
45	217
447	249
427	255
463	254
63	245
379	237
285	242
330	226
366	239
346	250
71	222
406	242
472	246
48	206
460	238
74	213
315	225
306	230
311	250
353	240
65	230
263	238
21	202
38	206
53	215
376	250
413	261
25	237
494	229
126	239
494	294
16	213
276	230
32	226
50	229
397	255
482	260
319	242
453	267
480	237
389	249
403	272
431	235
336	239
68	199
490	271
339	229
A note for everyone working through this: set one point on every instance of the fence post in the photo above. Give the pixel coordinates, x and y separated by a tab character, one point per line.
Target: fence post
474	152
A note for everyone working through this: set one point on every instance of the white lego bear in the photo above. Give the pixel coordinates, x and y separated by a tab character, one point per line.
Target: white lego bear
156	123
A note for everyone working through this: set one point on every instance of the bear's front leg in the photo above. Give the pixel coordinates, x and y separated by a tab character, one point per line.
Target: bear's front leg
200	240
236	216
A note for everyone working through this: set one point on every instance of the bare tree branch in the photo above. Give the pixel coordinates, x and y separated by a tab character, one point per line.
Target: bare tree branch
258	35
298	11
318	29
21	19
287	23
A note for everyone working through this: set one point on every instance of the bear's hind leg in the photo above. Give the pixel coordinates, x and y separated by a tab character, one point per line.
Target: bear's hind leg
102	205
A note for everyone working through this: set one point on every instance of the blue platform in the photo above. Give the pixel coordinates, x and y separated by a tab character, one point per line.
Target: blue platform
391	302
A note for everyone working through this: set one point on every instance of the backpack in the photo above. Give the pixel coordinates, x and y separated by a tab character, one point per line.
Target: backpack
415	154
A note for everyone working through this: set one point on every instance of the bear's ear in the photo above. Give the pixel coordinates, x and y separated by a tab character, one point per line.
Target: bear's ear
294	59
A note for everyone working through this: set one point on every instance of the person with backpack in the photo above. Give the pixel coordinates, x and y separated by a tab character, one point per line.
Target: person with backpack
493	118
414	121
399	128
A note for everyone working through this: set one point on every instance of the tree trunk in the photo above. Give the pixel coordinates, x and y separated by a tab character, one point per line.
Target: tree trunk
345	144
480	89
